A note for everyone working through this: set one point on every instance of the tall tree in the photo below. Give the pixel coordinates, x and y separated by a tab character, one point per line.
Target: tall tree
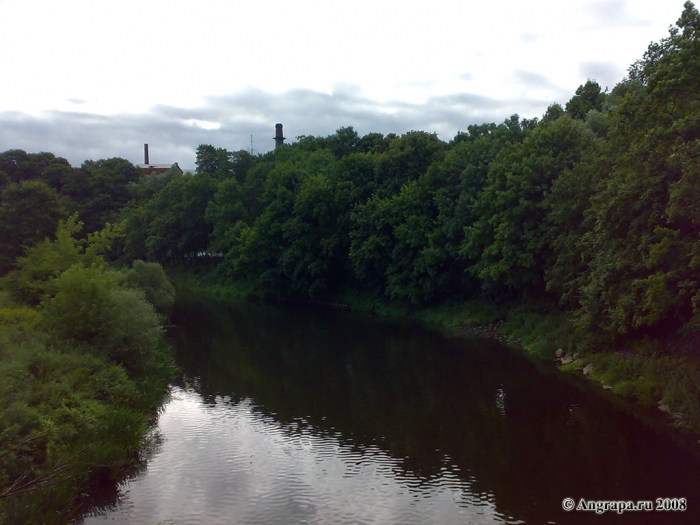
643	244
588	97
29	212
511	239
101	189
177	225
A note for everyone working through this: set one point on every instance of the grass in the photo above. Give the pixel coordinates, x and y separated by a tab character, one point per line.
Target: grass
652	374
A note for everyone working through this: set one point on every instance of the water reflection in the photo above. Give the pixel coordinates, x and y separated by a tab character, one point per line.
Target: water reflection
259	470
298	416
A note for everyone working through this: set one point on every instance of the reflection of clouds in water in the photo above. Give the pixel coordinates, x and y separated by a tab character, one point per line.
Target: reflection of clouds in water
228	463
501	400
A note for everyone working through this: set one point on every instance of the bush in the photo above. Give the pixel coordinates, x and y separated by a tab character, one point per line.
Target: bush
91	310
151	278
132	331
78	309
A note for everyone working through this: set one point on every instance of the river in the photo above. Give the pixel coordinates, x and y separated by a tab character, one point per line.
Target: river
291	415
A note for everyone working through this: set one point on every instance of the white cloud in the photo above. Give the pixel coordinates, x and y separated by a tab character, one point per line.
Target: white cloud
260	63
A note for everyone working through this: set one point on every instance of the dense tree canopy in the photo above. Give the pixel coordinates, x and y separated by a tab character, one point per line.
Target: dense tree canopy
29	212
594	204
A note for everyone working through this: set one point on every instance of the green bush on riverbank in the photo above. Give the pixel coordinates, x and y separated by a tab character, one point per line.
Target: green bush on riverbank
83	373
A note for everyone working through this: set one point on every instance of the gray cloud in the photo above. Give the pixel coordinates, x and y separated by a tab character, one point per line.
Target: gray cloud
531	79
173	133
537	84
607	74
612	13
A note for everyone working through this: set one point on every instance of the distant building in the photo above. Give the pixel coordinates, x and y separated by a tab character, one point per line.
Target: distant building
150	169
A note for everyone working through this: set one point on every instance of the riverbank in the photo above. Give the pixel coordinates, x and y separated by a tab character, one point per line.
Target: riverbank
661	373
74	420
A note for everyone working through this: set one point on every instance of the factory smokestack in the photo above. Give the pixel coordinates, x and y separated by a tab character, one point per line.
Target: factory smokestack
279	135
145	154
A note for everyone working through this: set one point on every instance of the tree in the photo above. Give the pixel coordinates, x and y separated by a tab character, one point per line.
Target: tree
11	161
588	97
406	159
153	282
19	165
355	177
316	238
455	184
224	211
214	161
642	249
29	212
371	242
89	308
177	226
344	142
511	239
101	189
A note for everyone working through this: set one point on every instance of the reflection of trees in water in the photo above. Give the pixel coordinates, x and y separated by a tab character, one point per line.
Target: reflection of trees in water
423	398
107	496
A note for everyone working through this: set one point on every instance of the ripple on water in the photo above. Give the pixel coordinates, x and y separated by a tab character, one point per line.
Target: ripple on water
227	462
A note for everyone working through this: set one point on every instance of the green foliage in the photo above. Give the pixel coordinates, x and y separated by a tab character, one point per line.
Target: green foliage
316	238
134	217
35	273
223	164
344	142
152	280
89	309
224	211
68	417
100	189
132	332
176	224
511	239
588	97
11	163
76	308
19	166
554	112
407	158
81	375
29	212
642	242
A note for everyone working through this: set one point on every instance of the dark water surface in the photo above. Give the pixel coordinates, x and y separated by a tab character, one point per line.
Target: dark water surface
290	416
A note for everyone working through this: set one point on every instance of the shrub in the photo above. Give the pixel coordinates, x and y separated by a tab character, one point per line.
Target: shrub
132	331
119	324
151	278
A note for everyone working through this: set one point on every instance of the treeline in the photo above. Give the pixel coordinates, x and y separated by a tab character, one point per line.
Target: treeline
84	367
83	360
593	206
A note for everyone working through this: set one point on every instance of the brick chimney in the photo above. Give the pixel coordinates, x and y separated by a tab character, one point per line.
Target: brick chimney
279	135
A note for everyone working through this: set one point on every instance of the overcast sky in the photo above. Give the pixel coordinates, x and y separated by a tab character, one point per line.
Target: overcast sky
91	79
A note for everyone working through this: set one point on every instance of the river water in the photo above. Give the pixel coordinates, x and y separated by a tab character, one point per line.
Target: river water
291	415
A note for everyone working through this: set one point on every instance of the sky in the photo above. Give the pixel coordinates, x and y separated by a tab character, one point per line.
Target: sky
93	79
